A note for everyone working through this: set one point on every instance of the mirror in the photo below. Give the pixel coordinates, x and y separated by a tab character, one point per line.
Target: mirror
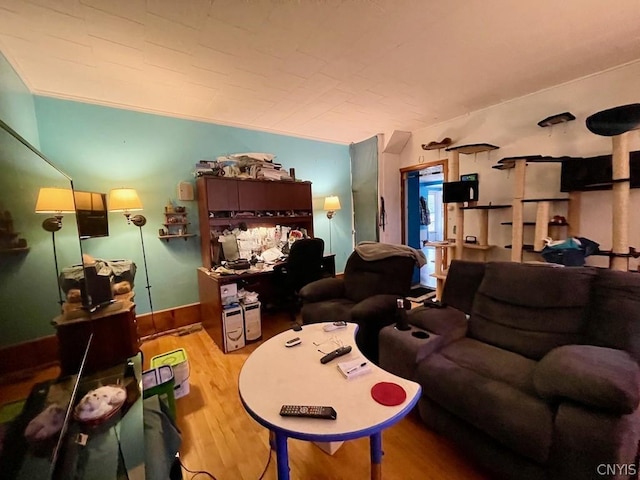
28	283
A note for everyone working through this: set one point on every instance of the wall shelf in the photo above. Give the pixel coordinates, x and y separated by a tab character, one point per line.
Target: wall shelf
473	148
556	119
172	237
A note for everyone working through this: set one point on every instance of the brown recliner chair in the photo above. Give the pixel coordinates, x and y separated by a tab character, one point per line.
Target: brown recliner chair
365	295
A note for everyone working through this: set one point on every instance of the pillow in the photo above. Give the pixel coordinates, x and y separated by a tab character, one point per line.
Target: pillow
600	377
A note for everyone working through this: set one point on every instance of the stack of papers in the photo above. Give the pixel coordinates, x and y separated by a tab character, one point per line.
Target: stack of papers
354	368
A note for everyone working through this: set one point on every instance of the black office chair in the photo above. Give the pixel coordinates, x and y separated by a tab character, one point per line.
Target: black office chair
303	266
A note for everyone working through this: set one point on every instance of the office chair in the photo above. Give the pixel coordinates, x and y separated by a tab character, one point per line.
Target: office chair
303	266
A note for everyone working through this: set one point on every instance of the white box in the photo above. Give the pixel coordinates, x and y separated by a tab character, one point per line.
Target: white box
229	294
232	329
252	322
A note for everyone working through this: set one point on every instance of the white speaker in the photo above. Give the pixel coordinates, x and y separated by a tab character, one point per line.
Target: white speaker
185	191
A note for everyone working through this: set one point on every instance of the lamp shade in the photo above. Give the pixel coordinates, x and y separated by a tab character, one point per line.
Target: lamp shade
55	200
332	203
124	200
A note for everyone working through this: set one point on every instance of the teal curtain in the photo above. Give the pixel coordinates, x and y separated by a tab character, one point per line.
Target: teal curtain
364	188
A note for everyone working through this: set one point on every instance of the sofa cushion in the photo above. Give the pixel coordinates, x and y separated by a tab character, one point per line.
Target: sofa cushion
531	309
492	362
596	376
515	419
614	315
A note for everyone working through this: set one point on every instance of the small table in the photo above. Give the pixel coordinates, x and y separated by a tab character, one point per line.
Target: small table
274	375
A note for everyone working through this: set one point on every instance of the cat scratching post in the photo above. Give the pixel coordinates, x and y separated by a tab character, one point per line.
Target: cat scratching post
454	170
617	122
517	210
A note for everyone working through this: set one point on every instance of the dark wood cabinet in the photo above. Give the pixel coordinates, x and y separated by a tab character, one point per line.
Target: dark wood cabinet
227	202
222	193
115	337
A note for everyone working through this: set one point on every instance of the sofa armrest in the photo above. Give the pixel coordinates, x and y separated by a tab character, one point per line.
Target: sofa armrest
448	322
599	377
322	289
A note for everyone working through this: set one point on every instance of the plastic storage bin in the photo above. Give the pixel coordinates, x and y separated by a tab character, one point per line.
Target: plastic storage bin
160	381
177	359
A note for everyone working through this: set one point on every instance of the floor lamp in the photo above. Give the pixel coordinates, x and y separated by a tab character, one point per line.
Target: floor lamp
126	200
331	204
55	201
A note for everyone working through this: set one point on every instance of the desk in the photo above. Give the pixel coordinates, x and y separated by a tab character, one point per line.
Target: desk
274	375
259	281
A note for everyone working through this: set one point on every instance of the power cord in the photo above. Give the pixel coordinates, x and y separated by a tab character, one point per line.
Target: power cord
195	473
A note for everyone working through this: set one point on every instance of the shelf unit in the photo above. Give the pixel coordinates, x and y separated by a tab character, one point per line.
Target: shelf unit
175	226
226	203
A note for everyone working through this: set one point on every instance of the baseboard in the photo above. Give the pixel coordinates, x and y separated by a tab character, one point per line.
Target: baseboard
43	352
38	353
168	320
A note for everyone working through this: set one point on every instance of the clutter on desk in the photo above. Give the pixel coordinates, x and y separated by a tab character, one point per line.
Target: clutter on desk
244	165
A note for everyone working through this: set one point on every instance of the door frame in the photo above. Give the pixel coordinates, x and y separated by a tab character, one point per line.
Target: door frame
445	170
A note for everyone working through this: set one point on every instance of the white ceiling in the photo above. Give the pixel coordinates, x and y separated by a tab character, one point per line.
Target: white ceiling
337	70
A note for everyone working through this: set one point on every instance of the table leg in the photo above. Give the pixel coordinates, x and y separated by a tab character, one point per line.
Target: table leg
375	442
282	454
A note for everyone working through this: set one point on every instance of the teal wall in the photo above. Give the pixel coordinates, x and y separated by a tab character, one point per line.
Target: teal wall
103	148
28	287
16	103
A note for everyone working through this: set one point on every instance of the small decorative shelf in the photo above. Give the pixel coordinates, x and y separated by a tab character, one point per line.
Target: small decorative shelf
171	236
527	224
556	119
473	148
175	224
437	145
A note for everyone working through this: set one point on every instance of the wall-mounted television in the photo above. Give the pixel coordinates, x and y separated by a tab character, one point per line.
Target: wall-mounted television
460	192
91	214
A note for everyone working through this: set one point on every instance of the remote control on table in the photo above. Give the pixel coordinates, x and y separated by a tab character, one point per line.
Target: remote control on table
293	342
338	352
310	411
334	326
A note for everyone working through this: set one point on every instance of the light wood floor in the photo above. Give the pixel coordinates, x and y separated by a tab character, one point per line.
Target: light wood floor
221	438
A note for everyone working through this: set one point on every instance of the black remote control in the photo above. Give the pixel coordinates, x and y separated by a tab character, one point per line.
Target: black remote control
338	352
310	411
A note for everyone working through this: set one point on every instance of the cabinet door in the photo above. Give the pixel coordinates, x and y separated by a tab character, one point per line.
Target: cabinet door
299	196
222	194
252	195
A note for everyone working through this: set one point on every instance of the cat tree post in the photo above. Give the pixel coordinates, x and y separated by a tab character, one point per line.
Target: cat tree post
517	210
454	171
617	122
620	203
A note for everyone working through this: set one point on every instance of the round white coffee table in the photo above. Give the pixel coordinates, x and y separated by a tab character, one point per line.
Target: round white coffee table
275	375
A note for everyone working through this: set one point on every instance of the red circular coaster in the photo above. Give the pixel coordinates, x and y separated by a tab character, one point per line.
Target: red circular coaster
389	394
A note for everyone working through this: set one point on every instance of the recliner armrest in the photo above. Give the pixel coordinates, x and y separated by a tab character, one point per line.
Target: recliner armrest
323	289
446	321
599	377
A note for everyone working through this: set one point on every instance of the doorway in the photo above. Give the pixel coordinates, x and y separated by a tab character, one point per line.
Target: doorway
423	217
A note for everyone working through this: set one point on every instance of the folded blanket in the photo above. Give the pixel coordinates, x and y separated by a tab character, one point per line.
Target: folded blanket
371	251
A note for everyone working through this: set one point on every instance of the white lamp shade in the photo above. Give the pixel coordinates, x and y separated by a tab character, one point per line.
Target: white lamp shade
124	200
55	200
332	203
